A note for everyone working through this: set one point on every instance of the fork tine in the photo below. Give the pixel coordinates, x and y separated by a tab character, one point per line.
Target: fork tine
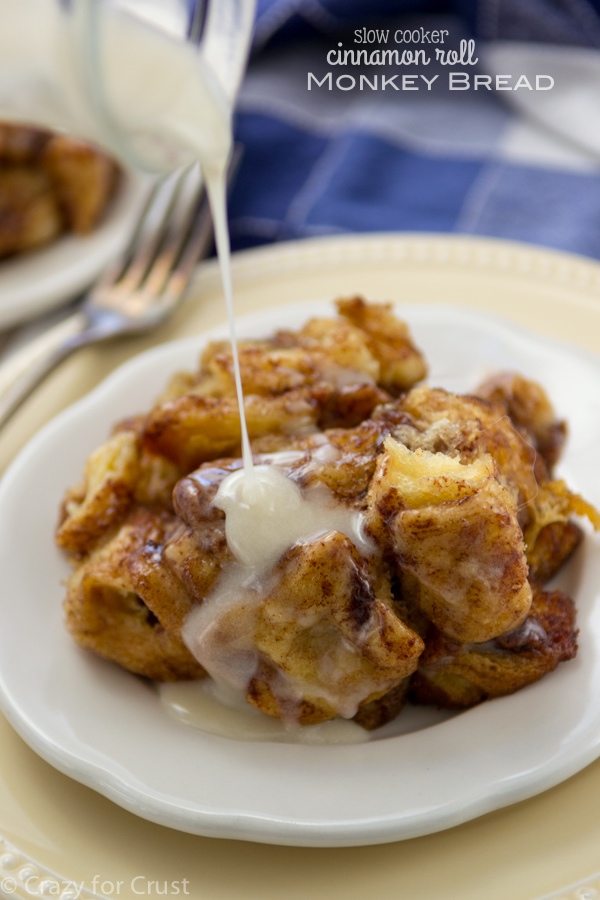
168	255
173	232
195	241
127	273
144	249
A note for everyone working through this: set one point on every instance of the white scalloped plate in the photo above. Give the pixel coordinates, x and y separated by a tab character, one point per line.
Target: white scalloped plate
106	729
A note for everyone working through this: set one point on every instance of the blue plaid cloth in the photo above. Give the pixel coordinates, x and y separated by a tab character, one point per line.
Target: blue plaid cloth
520	164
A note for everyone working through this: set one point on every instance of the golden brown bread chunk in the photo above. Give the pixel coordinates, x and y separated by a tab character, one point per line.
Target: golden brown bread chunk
552	548
529	409
453	527
84	180
29	213
101	501
389	340
459	675
324	375
375	713
320	642
466	428
110	606
21	144
192	429
554	505
326	350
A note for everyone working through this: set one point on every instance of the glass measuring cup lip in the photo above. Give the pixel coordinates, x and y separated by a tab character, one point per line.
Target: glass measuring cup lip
198	50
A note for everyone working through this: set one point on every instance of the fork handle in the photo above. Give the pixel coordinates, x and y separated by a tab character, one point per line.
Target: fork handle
22	372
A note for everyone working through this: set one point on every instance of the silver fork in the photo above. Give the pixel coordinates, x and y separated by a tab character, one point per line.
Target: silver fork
135	294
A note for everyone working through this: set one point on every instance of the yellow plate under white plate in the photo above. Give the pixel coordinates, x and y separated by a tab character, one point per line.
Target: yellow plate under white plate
526	851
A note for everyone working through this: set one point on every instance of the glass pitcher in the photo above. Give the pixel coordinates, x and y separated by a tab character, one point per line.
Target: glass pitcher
153	81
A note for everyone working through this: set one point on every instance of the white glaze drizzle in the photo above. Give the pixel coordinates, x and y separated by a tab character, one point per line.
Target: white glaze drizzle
216	709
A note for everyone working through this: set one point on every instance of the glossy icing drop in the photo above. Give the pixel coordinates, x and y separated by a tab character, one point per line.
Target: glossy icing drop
267	513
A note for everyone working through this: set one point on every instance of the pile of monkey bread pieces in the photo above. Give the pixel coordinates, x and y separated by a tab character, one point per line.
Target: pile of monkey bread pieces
466	524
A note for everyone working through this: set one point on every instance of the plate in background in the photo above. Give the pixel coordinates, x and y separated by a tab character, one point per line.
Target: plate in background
39	280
